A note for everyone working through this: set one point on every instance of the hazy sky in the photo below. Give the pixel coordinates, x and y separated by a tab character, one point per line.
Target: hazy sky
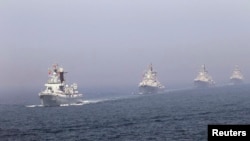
104	43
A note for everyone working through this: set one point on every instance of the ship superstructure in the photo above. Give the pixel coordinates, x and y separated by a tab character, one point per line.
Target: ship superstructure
57	92
150	83
203	79
236	77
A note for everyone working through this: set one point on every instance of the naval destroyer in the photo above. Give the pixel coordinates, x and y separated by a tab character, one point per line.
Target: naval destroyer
203	79
236	77
57	92
150	83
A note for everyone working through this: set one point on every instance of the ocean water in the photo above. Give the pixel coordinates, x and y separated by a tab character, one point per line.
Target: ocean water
178	115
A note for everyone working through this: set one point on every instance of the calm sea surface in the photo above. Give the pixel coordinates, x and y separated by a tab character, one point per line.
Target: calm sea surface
180	115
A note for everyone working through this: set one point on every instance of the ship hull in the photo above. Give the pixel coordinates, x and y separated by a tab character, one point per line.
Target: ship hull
236	81
57	100
202	84
149	90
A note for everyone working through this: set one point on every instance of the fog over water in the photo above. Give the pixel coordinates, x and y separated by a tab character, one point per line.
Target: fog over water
110	43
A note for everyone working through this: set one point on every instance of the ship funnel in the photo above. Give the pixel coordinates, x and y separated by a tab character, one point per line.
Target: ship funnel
151	67
61	72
